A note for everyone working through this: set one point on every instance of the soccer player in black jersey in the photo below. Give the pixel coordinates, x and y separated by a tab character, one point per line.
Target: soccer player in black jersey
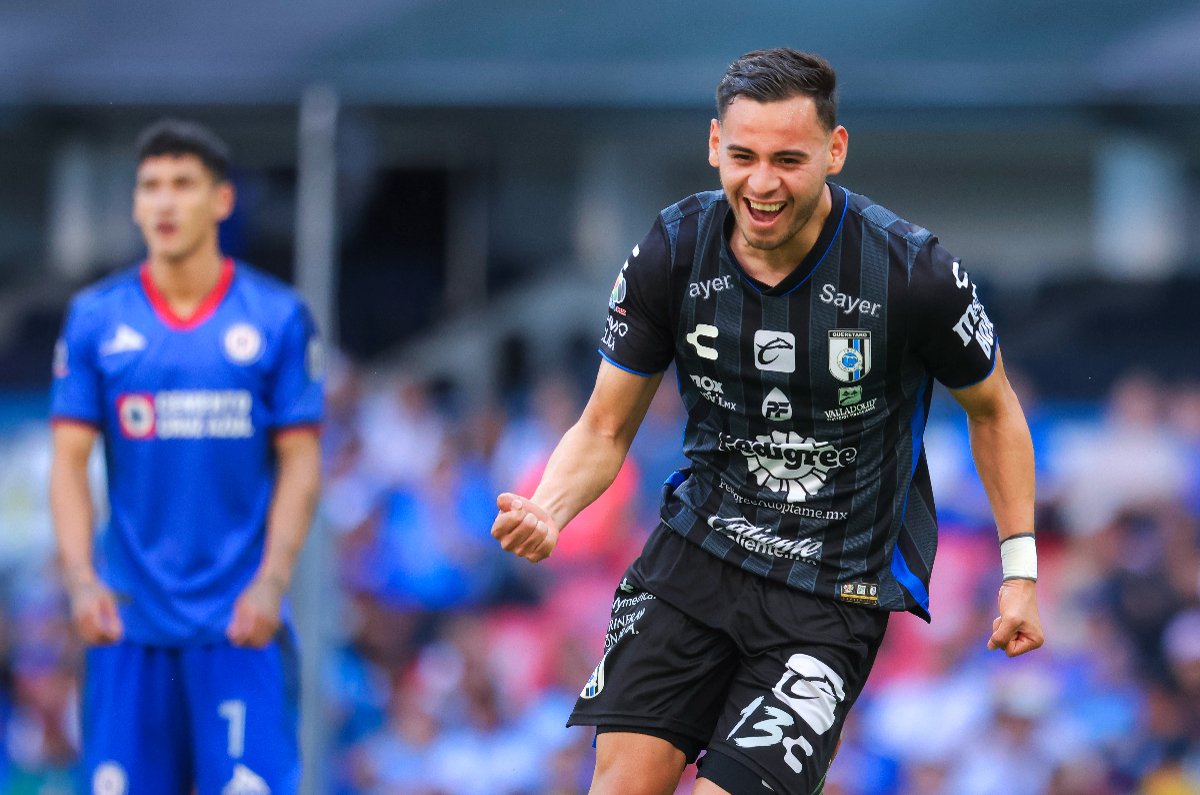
807	324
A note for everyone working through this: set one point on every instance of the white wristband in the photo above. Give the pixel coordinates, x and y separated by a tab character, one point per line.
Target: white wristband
1018	557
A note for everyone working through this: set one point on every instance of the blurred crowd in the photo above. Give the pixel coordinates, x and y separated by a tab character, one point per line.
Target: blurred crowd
456	664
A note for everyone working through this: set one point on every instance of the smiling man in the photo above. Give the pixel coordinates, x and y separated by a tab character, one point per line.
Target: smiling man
753	616
202	377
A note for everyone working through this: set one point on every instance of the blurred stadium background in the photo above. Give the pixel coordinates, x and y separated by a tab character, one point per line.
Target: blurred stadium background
453	185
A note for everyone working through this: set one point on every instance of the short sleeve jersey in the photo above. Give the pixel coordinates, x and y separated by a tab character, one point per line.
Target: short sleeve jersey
187	410
807	400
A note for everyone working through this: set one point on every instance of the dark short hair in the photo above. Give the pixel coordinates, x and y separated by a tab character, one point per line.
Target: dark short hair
781	73
177	137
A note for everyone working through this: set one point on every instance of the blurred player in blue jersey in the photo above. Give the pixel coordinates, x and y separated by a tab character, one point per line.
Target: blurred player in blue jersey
202	376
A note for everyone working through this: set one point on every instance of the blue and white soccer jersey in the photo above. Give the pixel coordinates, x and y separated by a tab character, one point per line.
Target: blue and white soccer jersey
188	409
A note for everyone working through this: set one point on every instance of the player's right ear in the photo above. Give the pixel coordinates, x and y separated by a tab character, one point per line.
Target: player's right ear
714	143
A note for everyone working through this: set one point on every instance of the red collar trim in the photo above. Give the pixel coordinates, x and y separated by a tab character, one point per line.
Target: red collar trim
162	307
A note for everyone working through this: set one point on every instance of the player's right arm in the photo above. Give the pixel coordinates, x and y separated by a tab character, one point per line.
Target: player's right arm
637	345
93	606
584	464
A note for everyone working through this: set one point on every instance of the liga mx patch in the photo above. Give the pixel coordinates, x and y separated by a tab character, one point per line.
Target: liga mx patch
849	354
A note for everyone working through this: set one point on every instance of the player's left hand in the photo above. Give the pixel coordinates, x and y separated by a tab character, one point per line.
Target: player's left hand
1018	628
256	614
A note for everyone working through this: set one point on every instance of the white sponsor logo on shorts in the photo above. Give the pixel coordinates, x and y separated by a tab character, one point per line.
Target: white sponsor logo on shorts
811	691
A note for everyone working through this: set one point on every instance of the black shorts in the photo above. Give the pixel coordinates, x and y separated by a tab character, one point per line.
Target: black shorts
759	674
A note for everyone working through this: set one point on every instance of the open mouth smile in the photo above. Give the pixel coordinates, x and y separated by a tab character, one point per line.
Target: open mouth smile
764	212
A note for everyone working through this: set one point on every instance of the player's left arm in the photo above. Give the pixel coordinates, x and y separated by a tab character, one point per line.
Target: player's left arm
1003	453
256	613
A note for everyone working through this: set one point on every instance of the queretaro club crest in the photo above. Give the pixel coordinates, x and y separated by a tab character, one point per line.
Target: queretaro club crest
849	354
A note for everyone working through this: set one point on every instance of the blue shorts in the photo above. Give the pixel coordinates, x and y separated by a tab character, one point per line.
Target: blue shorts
217	717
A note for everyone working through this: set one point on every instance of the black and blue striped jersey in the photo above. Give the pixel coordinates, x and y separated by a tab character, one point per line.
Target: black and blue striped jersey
806	400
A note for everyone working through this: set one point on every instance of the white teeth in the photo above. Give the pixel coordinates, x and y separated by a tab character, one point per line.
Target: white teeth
767	208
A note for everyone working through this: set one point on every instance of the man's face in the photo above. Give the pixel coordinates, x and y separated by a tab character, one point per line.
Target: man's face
177	204
773	158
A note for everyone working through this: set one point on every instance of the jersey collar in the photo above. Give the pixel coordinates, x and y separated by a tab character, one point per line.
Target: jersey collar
815	256
203	312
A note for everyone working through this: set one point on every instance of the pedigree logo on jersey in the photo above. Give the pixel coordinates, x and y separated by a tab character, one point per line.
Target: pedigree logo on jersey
849	354
790	464
135	415
243	343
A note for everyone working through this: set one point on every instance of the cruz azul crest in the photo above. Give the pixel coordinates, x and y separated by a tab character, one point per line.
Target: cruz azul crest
849	353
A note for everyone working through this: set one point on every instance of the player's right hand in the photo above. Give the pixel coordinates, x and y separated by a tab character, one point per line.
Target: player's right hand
94	612
523	528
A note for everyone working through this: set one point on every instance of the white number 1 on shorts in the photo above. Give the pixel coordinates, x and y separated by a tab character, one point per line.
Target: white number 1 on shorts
235	713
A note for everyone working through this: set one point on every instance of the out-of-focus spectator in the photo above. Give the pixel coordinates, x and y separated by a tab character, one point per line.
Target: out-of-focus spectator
530	435
402	433
1132	461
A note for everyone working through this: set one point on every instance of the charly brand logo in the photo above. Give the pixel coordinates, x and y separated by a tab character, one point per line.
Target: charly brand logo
243	343
789	464
961	279
776	407
697	338
775	351
849	354
619	287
